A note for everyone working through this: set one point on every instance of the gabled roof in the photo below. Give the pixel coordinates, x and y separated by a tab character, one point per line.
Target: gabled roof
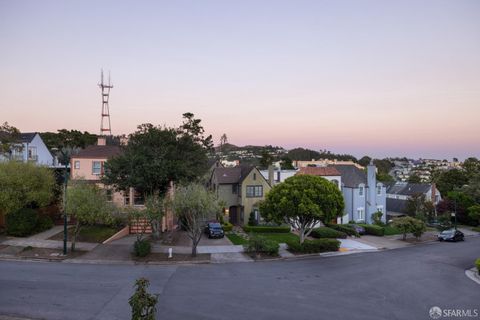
351	175
98	152
396	205
27	137
319	171
232	175
408	189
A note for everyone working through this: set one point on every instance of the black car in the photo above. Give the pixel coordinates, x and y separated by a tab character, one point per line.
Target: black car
451	235
214	230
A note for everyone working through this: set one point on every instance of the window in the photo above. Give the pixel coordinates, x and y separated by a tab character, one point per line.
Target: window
32	153
361	214
379	190
361	191
234	188
96	167
126	198
254	191
77	164
254	176
138	199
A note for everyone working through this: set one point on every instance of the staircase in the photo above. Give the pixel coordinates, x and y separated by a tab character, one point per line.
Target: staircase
139	226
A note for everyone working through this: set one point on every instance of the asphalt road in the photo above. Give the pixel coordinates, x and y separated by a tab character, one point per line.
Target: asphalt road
396	284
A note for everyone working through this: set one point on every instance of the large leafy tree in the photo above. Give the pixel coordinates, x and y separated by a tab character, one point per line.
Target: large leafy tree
25	185
450	180
303	201
194	205
88	205
9	138
157	155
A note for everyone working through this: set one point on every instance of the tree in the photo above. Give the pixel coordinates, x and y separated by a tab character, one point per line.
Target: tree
143	303
377	218
418	228
303	201
266	159
223	142
25	185
154	211
449	180
471	166
418	206
286	163
408	224
458	202
473	188
87	205
9	140
474	213
364	161
194	206
414	178
156	156
384	177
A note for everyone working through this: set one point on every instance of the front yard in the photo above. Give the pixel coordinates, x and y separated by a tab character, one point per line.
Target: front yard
94	234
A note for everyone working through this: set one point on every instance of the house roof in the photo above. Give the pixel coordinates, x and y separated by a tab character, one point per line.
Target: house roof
98	152
27	137
408	189
231	175
396	205
351	175
319	171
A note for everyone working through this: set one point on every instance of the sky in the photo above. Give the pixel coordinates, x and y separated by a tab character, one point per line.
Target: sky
379	78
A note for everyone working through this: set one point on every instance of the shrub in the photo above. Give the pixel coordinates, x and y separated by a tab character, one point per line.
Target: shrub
313	246
377	218
373	230
345	228
477	264
251	219
418	228
325	232
266	229
43	223
257	244
227	226
142	248
21	223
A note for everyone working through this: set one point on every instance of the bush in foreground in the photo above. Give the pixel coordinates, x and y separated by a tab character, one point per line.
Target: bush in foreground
373	230
325	232
477	264
345	228
142	248
266	229
22	222
260	245
227	226
314	246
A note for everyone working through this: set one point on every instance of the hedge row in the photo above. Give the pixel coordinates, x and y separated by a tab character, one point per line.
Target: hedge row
325	232
313	246
345	228
25	222
373	229
266	229
260	245
477	264
227	226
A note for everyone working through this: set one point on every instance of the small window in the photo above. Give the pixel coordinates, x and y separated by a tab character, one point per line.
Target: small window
361	191
77	164
96	167
361	214
138	198
234	188
379	190
254	176
126	198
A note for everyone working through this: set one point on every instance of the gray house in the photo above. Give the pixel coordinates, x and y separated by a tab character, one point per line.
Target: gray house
362	193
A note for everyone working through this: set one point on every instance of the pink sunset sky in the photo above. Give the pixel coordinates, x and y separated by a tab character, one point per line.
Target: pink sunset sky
378	78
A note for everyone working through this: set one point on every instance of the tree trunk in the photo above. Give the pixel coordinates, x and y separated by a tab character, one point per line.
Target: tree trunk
155	224
302	235
75	233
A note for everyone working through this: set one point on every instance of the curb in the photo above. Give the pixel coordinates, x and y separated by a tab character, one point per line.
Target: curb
473	275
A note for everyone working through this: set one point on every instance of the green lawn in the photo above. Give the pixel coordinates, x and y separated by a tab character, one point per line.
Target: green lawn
390	231
96	234
236	239
277	237
476	229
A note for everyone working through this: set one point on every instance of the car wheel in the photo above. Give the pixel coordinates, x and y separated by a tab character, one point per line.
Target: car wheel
441	240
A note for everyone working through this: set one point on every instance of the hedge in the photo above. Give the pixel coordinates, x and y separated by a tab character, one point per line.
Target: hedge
142	248
266	229
477	264
325	232
313	246
345	228
257	244
227	226
21	223
373	230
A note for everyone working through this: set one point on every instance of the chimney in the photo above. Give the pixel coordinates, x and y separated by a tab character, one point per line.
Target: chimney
270	175
102	141
371	206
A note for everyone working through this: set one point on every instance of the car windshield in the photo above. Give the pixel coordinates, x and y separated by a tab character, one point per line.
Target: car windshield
215	226
447	232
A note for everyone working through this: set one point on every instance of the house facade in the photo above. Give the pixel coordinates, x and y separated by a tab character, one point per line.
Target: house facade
398	194
31	148
362	193
240	189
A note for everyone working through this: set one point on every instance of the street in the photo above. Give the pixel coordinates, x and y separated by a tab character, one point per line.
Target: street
396	284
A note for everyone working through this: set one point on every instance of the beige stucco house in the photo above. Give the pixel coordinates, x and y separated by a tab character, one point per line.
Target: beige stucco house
241	189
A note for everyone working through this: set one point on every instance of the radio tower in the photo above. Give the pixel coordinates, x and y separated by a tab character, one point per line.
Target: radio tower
105	127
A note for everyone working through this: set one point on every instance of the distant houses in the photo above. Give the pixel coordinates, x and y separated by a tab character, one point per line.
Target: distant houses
398	194
30	148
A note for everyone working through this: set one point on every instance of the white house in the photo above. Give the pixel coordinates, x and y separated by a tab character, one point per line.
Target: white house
32	149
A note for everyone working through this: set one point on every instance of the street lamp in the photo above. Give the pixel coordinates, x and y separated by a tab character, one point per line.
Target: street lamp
64	198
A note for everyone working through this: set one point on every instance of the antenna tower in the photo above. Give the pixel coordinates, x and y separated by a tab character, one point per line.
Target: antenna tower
105	127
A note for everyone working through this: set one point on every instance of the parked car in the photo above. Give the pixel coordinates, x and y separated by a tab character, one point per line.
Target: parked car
359	229
214	230
451	235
